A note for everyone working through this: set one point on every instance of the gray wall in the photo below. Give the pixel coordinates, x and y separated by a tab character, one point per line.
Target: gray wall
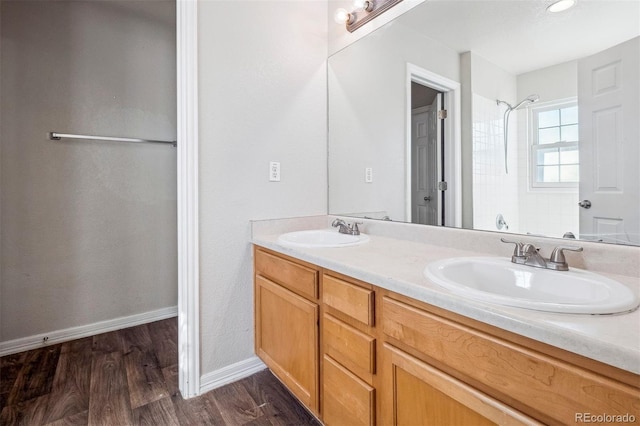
88	228
367	117
262	91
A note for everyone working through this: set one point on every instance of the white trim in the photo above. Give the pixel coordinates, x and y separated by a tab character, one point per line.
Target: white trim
187	165
58	336
230	373
453	139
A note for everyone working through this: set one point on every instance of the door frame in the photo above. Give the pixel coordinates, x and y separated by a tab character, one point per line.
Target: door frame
187	194
452	129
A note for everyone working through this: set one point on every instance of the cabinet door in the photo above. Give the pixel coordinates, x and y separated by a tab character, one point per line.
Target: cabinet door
419	394
287	339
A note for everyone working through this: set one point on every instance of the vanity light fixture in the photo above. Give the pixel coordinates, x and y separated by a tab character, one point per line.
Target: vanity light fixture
363	12
561	6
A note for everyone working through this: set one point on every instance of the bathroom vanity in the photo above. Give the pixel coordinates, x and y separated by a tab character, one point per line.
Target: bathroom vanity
360	338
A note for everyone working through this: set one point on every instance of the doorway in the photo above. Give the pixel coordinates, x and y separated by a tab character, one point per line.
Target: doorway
427	139
433	149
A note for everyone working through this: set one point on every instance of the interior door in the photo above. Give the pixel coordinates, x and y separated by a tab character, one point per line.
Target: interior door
424	157
610	144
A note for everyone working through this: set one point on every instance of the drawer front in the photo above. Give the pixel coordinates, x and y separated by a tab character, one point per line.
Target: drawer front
350	299
347	400
297	278
349	346
554	389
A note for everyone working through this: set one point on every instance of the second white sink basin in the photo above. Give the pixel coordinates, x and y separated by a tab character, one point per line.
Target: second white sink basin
497	280
321	238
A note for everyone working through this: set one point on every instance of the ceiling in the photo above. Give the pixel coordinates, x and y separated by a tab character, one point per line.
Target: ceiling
520	35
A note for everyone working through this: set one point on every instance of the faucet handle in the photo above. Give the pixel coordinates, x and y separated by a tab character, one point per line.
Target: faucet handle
518	251
557	255
355	229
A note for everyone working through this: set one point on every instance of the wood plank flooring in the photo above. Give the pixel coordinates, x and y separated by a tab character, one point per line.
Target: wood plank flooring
130	377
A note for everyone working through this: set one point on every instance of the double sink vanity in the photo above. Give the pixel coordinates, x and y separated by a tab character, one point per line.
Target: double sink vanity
400	325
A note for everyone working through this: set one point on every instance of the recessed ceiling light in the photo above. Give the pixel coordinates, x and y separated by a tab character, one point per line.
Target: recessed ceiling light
561	6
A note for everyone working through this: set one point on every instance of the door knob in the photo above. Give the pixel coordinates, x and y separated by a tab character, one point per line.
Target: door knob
427	198
585	204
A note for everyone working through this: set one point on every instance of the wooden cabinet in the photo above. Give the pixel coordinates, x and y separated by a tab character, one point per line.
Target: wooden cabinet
547	388
419	394
356	354
287	326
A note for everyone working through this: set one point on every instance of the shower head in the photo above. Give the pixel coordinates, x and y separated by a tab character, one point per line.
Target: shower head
507	112
529	99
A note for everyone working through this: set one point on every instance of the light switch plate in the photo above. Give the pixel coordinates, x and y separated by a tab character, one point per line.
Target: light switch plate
368	174
274	171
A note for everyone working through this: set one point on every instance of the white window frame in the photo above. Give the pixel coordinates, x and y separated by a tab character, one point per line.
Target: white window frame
533	146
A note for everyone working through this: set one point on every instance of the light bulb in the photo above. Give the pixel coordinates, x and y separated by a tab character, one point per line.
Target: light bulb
366	5
561	6
343	17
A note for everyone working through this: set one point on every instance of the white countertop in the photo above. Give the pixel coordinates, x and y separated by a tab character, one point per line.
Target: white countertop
397	265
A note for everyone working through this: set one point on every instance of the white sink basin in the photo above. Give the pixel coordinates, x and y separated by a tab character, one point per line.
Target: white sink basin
497	280
321	238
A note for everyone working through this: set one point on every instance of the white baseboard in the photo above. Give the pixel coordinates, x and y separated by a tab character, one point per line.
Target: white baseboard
58	336
231	373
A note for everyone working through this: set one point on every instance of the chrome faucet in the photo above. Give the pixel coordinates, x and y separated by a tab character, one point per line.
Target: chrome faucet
529	255
345	228
532	256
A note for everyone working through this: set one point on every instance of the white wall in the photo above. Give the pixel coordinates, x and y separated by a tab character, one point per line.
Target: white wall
88	229
367	117
543	211
262	90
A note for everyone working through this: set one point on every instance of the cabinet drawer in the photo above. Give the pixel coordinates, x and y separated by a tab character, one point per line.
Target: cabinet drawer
556	390
350	299
349	346
347	400
295	277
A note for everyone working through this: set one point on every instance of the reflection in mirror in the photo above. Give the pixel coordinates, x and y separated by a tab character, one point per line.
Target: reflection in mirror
492	115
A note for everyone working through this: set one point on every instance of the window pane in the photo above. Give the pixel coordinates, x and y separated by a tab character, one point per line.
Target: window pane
569	115
569	133
551	135
548	157
569	156
548	174
549	118
569	174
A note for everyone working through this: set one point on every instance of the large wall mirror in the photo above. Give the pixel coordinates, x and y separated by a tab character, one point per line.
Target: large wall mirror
492	115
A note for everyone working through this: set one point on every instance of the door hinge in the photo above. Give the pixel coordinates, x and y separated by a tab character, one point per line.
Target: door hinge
442	114
442	186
